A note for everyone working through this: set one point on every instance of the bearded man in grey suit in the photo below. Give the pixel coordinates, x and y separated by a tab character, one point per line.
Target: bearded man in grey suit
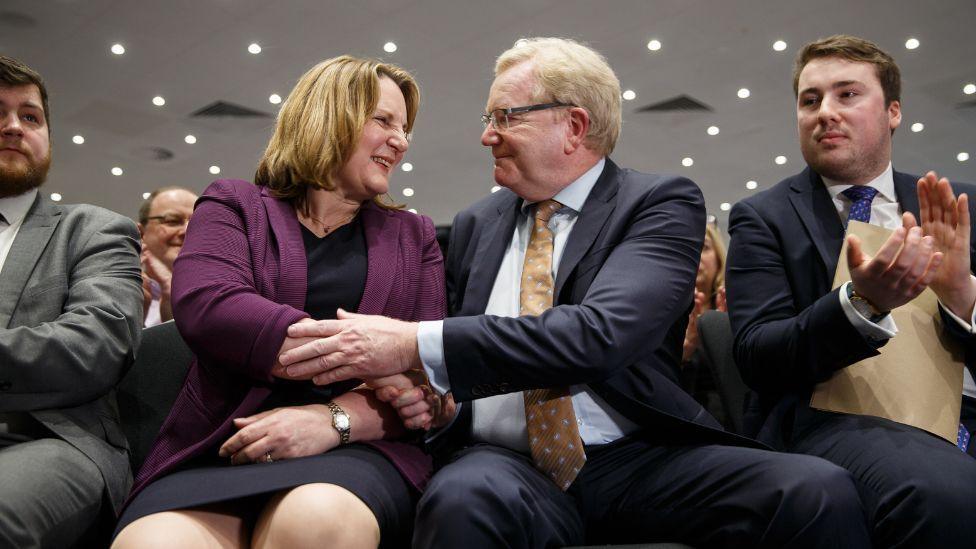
70	317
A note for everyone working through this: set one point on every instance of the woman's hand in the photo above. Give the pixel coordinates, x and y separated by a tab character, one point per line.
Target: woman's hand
282	433
691	333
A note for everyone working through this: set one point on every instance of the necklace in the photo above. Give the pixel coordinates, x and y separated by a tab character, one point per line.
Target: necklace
328	228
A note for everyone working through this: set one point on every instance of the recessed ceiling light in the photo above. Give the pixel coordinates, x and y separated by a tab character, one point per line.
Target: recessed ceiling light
711	218
687	162
962	157
779	45
917	127
629	95
412	210
712	130
725	206
145	196
743	93
254	48
654	45
911	43
78	140
116	171
969	89
190	139
407	167
389	47
56	197
214	170
751	185
521	42
408	192
780	160
495	189
274	99
118	49
159	101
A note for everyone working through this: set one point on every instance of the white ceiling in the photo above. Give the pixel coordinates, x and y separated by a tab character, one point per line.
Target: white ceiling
194	52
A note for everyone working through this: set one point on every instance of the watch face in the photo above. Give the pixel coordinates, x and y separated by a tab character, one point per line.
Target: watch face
341	422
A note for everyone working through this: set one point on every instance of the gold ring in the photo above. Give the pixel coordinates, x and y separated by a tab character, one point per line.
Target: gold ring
268	458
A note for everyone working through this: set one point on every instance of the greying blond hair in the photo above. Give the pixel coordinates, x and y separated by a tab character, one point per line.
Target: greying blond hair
321	121
570	72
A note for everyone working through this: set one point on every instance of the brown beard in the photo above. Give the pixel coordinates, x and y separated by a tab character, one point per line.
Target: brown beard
14	182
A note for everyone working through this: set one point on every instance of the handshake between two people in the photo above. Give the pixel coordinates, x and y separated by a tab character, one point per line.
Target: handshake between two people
935	254
379	350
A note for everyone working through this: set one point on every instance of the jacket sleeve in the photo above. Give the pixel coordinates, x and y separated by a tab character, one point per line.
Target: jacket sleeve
83	352
432	297
216	304
642	285
778	345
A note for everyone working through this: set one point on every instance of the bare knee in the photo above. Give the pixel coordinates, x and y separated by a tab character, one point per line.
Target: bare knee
186	528
306	515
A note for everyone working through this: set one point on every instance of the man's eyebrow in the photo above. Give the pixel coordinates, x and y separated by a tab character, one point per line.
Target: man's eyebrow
834	86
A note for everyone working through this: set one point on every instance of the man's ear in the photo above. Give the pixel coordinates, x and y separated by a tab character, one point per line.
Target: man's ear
577	129
142	230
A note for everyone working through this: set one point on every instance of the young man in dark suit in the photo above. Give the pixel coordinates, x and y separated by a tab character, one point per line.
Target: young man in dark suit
70	319
792	331
570	290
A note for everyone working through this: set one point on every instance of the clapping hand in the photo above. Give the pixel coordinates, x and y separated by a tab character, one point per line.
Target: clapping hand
945	218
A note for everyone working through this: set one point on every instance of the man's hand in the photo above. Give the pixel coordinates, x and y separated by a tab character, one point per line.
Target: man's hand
419	406
904	266
945	218
353	346
154	268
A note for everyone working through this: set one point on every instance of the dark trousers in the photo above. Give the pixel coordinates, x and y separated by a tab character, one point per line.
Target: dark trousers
633	491
918	490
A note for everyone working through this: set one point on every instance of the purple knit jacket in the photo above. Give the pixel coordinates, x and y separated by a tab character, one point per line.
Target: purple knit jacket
238	284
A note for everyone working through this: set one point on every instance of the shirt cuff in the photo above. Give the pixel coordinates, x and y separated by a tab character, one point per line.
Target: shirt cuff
968	326
884	329
430	346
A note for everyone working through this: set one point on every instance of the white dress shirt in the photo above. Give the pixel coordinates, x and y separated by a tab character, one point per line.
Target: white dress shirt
500	419
153	315
14	209
885	212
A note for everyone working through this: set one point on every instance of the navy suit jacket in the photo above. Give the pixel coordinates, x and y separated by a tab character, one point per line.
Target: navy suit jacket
622	295
790	329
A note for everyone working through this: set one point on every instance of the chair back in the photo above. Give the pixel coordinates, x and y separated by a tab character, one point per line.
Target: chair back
148	390
715	334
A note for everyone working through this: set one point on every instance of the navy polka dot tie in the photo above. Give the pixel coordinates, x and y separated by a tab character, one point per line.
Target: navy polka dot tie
860	197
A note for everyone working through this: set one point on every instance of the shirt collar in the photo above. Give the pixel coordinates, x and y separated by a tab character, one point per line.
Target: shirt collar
15	208
884	183
575	194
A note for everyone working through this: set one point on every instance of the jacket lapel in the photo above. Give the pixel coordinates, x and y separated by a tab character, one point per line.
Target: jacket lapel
819	217
382	233
492	244
292	281
907	194
594	215
32	238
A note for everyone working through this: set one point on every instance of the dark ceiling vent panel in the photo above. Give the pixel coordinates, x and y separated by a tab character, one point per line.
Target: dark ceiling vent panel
157	154
681	103
17	20
967	104
223	108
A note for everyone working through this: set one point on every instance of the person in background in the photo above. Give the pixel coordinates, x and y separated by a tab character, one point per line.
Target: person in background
162	223
247	456
70	317
709	295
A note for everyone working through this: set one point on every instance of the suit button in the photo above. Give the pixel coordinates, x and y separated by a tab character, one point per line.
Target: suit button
5	385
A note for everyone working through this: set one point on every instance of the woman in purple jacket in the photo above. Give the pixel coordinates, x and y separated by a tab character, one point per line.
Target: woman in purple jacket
312	465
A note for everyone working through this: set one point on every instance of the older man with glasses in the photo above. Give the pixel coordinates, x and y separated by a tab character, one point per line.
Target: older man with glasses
163	217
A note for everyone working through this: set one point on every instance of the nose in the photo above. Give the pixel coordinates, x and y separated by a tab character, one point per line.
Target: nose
398	140
827	111
489	136
10	125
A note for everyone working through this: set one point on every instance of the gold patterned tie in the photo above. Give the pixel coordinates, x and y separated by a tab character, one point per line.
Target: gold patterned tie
553	436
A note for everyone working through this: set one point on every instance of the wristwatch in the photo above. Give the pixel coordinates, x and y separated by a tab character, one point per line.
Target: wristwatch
864	307
340	420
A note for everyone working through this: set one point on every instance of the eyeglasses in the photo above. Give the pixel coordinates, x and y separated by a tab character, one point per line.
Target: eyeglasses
171	221
499	118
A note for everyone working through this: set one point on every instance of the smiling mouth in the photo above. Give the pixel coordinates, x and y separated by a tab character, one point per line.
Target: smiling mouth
381	161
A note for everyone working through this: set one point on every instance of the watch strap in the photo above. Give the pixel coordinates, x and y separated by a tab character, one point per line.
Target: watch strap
336	411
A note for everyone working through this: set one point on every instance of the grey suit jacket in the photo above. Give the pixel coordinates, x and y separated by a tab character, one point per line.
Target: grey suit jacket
70	321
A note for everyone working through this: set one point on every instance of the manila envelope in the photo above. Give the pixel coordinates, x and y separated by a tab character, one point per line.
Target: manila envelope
917	378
